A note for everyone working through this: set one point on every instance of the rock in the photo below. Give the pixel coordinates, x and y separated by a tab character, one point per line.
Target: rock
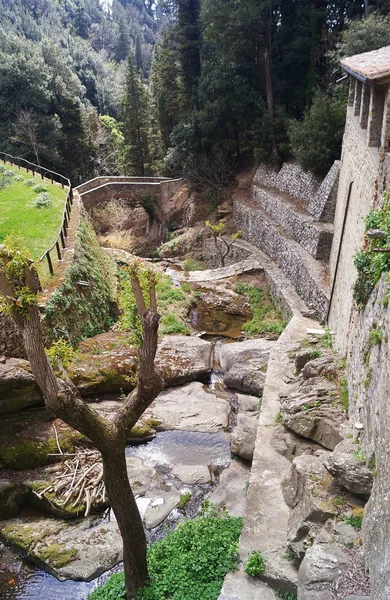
245	378
190	408
184	358
307	491
301	358
192	474
231	489
323	365
79	550
245	364
315	412
11	498
243	437
18	388
289	444
140	476
322	565
110	364
349	470
239	586
254	351
160	507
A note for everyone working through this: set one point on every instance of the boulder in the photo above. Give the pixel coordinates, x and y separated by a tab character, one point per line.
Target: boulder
306	491
315	412
190	408
231	489
325	366
18	388
243	437
11	498
192	474
322	565
184	358
245	364
79	550
346	465
289	444
245	378
141	477
160	507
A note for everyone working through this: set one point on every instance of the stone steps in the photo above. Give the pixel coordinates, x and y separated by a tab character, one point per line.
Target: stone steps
308	275
290	213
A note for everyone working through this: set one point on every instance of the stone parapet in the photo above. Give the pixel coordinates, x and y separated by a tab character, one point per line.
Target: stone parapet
308	276
314	237
291	179
322	205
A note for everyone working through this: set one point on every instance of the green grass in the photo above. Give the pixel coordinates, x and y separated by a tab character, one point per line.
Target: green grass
38	227
266	318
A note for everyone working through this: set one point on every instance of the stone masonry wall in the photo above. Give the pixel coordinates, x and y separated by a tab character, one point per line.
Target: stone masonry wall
359	164
369	385
322	205
291	179
98	181
316	239
286	254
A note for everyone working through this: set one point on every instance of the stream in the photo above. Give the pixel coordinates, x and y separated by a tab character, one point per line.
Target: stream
20	580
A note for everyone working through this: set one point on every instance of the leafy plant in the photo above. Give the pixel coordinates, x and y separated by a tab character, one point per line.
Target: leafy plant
266	318
255	564
355	520
190	563
375	336
184	499
344	393
38	188
42	200
286	595
170	324
338	501
62	352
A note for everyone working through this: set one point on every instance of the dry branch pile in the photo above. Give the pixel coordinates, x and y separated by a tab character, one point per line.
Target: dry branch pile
78	480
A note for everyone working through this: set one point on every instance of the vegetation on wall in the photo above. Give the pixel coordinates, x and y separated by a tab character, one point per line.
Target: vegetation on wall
190	563
266	318
374	258
82	306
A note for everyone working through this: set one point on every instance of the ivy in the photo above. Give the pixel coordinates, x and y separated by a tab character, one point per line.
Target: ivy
371	264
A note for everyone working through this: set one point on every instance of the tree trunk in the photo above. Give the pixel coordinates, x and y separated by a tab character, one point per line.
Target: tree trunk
366	8
125	509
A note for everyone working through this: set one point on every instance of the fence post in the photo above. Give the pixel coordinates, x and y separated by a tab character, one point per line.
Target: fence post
50	263
58	250
62	238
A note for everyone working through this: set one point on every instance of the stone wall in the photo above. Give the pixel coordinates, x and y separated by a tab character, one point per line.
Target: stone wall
11	343
291	179
98	181
359	166
128	190
369	385
314	237
306	276
322	205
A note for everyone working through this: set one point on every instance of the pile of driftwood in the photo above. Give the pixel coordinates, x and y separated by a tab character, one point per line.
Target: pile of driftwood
77	480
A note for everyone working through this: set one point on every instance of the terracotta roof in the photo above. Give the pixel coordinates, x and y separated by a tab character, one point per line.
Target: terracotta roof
374	65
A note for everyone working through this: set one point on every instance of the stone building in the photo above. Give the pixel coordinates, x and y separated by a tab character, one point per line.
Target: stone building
364	176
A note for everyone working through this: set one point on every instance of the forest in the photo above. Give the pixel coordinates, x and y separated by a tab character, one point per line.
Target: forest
178	87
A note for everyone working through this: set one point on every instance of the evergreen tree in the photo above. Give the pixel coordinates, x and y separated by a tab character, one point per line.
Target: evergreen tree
138	58
189	47
135	118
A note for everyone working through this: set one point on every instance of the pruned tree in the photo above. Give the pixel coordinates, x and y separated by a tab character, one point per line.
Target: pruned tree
26	128
18	289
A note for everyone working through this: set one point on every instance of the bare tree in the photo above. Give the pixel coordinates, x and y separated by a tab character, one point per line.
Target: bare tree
19	286
26	132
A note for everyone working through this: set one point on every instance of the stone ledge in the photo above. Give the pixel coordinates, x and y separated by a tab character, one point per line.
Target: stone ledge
309	277
314	237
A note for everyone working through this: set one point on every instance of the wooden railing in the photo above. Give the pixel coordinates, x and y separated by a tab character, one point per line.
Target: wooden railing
59	243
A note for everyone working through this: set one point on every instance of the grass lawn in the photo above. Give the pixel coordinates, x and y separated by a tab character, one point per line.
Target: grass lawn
38	227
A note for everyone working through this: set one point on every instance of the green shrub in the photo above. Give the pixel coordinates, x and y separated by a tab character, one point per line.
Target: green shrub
190	563
355	521
255	564
42	200
375	336
170	324
38	188
30	182
62	352
266	318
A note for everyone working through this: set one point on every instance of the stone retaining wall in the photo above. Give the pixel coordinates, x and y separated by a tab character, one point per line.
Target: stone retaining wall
98	181
11	343
291	179
322	206
315	238
129	191
306	277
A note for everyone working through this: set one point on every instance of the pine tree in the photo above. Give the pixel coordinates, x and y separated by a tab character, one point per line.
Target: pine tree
189	46
136	124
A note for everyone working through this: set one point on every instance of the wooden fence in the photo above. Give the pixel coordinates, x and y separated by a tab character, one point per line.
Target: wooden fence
59	243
